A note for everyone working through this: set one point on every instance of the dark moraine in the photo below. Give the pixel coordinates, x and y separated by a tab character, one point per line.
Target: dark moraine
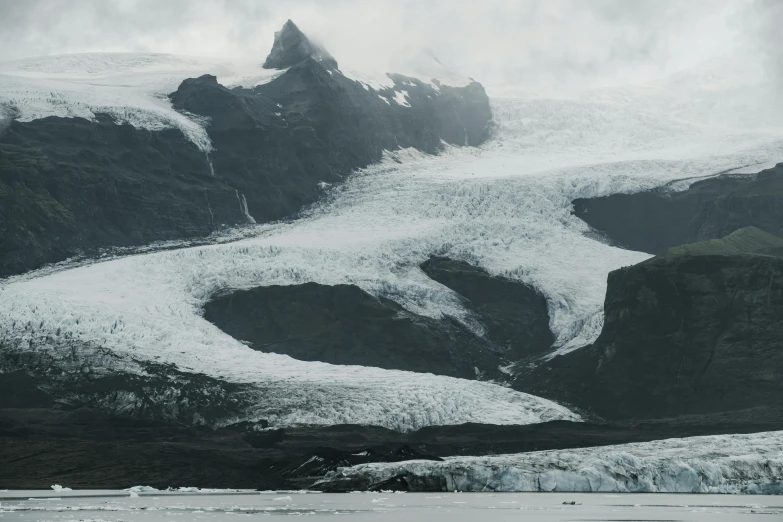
710	209
515	316
71	186
70	375
342	324
698	330
87	449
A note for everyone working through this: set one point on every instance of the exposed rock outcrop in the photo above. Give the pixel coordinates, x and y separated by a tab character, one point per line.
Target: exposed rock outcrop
291	46
697	330
710	209
514	315
342	324
69	185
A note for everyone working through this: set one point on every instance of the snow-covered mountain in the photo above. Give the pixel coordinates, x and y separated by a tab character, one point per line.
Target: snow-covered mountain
214	125
299	172
132	88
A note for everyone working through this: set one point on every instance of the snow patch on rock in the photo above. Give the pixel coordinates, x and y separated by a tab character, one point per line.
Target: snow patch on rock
413	63
401	98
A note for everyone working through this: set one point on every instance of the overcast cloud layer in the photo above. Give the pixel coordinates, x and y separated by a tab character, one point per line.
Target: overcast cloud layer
536	43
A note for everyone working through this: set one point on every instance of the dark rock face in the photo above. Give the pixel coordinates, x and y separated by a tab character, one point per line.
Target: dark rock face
20	390
745	241
758	204
459	115
692	333
291	46
342	324
87	449
69	186
515	316
277	142
710	209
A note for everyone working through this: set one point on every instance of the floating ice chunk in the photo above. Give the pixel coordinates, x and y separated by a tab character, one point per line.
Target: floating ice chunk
192	489
141	489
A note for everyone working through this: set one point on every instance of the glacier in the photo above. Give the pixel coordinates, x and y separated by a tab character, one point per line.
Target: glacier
132	88
504	206
714	464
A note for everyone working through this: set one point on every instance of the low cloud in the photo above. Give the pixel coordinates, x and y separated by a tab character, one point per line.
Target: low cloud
536	44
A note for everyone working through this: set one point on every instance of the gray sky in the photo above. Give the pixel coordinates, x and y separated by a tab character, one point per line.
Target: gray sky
537	43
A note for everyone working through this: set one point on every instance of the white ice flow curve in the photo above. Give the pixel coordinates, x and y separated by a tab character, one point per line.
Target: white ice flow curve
504	206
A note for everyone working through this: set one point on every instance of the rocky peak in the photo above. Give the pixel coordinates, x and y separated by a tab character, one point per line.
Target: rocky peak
292	46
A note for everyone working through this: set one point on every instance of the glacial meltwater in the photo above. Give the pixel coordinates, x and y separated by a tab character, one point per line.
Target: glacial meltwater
213	505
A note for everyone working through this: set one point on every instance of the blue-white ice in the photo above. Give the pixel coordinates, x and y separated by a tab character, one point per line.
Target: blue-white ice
716	464
504	206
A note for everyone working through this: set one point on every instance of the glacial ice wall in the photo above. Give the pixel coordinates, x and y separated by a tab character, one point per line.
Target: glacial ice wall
716	464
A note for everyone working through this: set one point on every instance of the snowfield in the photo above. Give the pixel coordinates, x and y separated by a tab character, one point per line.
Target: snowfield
716	464
132	88
505	206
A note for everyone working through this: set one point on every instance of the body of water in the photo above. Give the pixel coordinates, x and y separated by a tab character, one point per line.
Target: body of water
116	506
